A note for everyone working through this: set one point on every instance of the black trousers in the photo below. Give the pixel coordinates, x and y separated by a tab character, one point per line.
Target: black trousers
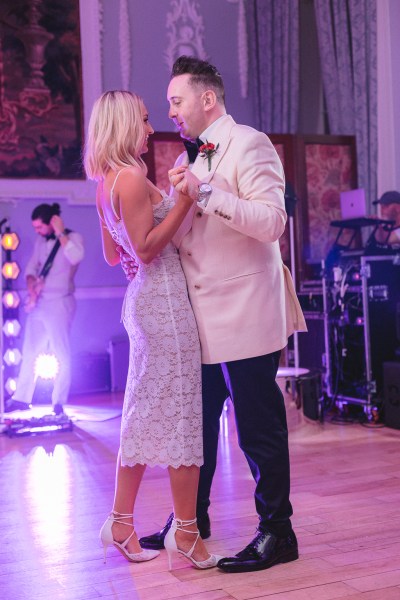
262	433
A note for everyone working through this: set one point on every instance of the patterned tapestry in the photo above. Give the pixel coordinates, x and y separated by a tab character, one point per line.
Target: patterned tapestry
329	170
40	89
165	155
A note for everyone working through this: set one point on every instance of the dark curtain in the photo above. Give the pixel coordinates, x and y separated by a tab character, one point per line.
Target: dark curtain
273	33
348	49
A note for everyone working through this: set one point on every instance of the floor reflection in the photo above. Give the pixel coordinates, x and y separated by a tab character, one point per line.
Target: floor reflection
49	493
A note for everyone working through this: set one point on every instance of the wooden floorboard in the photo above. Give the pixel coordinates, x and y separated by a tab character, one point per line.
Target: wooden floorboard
57	488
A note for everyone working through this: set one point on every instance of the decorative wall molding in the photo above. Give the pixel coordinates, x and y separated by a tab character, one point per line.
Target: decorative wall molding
125	44
185	31
75	192
243	52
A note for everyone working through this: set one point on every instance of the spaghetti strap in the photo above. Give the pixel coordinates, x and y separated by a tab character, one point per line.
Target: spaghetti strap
112	194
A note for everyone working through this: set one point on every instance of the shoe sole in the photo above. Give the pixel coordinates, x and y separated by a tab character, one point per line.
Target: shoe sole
257	567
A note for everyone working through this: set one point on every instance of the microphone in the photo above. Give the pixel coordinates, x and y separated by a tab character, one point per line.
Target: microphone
290	199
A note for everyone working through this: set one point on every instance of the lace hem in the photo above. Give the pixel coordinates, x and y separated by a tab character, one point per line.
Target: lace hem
191	463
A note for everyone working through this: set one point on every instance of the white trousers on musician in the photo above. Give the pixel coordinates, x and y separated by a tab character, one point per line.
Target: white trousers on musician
47	329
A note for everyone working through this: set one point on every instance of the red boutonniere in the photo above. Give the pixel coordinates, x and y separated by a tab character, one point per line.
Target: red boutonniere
207	151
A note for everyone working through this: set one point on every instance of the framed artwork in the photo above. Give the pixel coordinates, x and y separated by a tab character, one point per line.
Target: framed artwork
318	168
330	167
49	78
164	149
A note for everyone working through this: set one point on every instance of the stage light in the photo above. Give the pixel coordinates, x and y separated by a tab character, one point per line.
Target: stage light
10	270
9	319
10	241
12	357
11	328
11	385
46	366
11	299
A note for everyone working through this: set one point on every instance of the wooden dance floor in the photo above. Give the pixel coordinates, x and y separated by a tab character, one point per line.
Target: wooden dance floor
57	488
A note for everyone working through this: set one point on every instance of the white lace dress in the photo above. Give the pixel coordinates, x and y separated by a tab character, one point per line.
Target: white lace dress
162	412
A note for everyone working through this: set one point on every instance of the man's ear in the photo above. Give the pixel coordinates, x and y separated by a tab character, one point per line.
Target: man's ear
209	100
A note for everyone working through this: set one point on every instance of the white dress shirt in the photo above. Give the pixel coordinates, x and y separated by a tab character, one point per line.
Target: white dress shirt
60	279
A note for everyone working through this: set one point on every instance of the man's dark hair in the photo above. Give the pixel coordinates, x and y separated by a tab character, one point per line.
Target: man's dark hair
202	73
45	212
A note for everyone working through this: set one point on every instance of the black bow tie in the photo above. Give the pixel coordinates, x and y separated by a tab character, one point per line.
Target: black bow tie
51	236
192	148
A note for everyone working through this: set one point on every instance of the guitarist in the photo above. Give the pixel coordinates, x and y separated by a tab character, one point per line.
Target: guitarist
50	305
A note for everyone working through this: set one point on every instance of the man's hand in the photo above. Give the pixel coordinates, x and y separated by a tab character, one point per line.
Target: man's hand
184	181
128	264
57	224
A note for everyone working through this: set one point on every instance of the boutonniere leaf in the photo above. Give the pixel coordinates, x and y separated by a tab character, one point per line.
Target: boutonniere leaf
207	151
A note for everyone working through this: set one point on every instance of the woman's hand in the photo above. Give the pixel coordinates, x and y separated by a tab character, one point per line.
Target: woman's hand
176	177
128	263
184	182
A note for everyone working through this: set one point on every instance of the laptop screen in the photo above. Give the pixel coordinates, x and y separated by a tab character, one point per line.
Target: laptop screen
353	204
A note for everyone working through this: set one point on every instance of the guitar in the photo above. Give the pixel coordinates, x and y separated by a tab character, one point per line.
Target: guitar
35	289
36	285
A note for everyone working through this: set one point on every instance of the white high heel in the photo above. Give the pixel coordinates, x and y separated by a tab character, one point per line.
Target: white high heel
172	548
107	539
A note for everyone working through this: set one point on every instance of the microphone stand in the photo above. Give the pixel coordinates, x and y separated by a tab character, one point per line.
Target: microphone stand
292	373
290	206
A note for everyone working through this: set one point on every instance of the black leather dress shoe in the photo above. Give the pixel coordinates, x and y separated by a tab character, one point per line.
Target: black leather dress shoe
12	405
156	540
263	552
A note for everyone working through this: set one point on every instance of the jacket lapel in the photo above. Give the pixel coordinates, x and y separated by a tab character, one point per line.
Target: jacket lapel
221	135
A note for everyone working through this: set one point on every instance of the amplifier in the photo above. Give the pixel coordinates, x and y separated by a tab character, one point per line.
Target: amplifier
118	349
391	394
312	344
90	373
311	395
311	301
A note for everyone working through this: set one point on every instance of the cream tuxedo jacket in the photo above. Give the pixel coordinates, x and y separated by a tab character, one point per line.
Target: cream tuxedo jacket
241	292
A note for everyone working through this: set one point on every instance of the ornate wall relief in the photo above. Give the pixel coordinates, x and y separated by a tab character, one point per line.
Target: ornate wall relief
124	44
243	53
185	31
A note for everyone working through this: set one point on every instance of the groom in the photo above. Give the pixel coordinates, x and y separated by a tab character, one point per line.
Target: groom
243	299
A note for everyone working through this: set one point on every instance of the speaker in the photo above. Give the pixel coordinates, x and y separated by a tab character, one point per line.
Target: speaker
118	349
312	343
90	373
310	395
391	394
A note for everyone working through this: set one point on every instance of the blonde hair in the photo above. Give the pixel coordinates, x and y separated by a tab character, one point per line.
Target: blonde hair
116	134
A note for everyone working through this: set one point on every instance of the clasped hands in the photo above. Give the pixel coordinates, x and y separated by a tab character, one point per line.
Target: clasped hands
183	180
187	185
128	264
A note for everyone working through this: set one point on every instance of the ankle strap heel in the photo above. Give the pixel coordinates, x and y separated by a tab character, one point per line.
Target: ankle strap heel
107	538
172	548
